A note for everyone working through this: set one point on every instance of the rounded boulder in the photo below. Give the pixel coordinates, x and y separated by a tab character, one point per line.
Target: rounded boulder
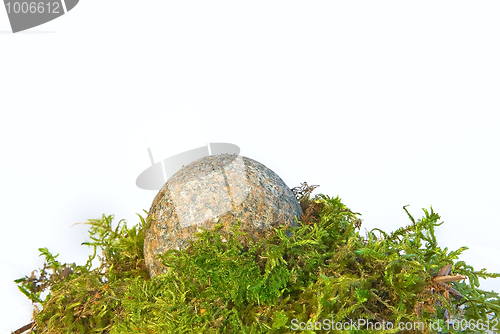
216	189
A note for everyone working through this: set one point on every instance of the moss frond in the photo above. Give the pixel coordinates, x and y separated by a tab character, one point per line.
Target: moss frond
323	269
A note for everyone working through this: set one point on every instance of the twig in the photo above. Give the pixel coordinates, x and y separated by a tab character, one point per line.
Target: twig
445	270
448	278
24	328
450	289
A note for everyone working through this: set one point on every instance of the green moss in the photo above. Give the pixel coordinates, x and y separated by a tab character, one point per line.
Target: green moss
323	270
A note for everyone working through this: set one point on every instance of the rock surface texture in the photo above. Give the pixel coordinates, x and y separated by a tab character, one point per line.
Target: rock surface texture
216	189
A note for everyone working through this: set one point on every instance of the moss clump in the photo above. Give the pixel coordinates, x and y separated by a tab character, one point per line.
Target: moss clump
301	279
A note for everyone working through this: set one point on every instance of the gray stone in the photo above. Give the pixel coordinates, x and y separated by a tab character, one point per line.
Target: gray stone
218	188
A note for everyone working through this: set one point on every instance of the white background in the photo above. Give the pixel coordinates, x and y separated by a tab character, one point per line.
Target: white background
385	103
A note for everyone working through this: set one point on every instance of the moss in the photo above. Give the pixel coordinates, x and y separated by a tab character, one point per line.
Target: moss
324	272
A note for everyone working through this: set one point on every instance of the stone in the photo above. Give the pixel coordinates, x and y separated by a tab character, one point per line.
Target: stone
216	189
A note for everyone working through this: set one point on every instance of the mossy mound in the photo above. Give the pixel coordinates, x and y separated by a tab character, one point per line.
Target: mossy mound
323	277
